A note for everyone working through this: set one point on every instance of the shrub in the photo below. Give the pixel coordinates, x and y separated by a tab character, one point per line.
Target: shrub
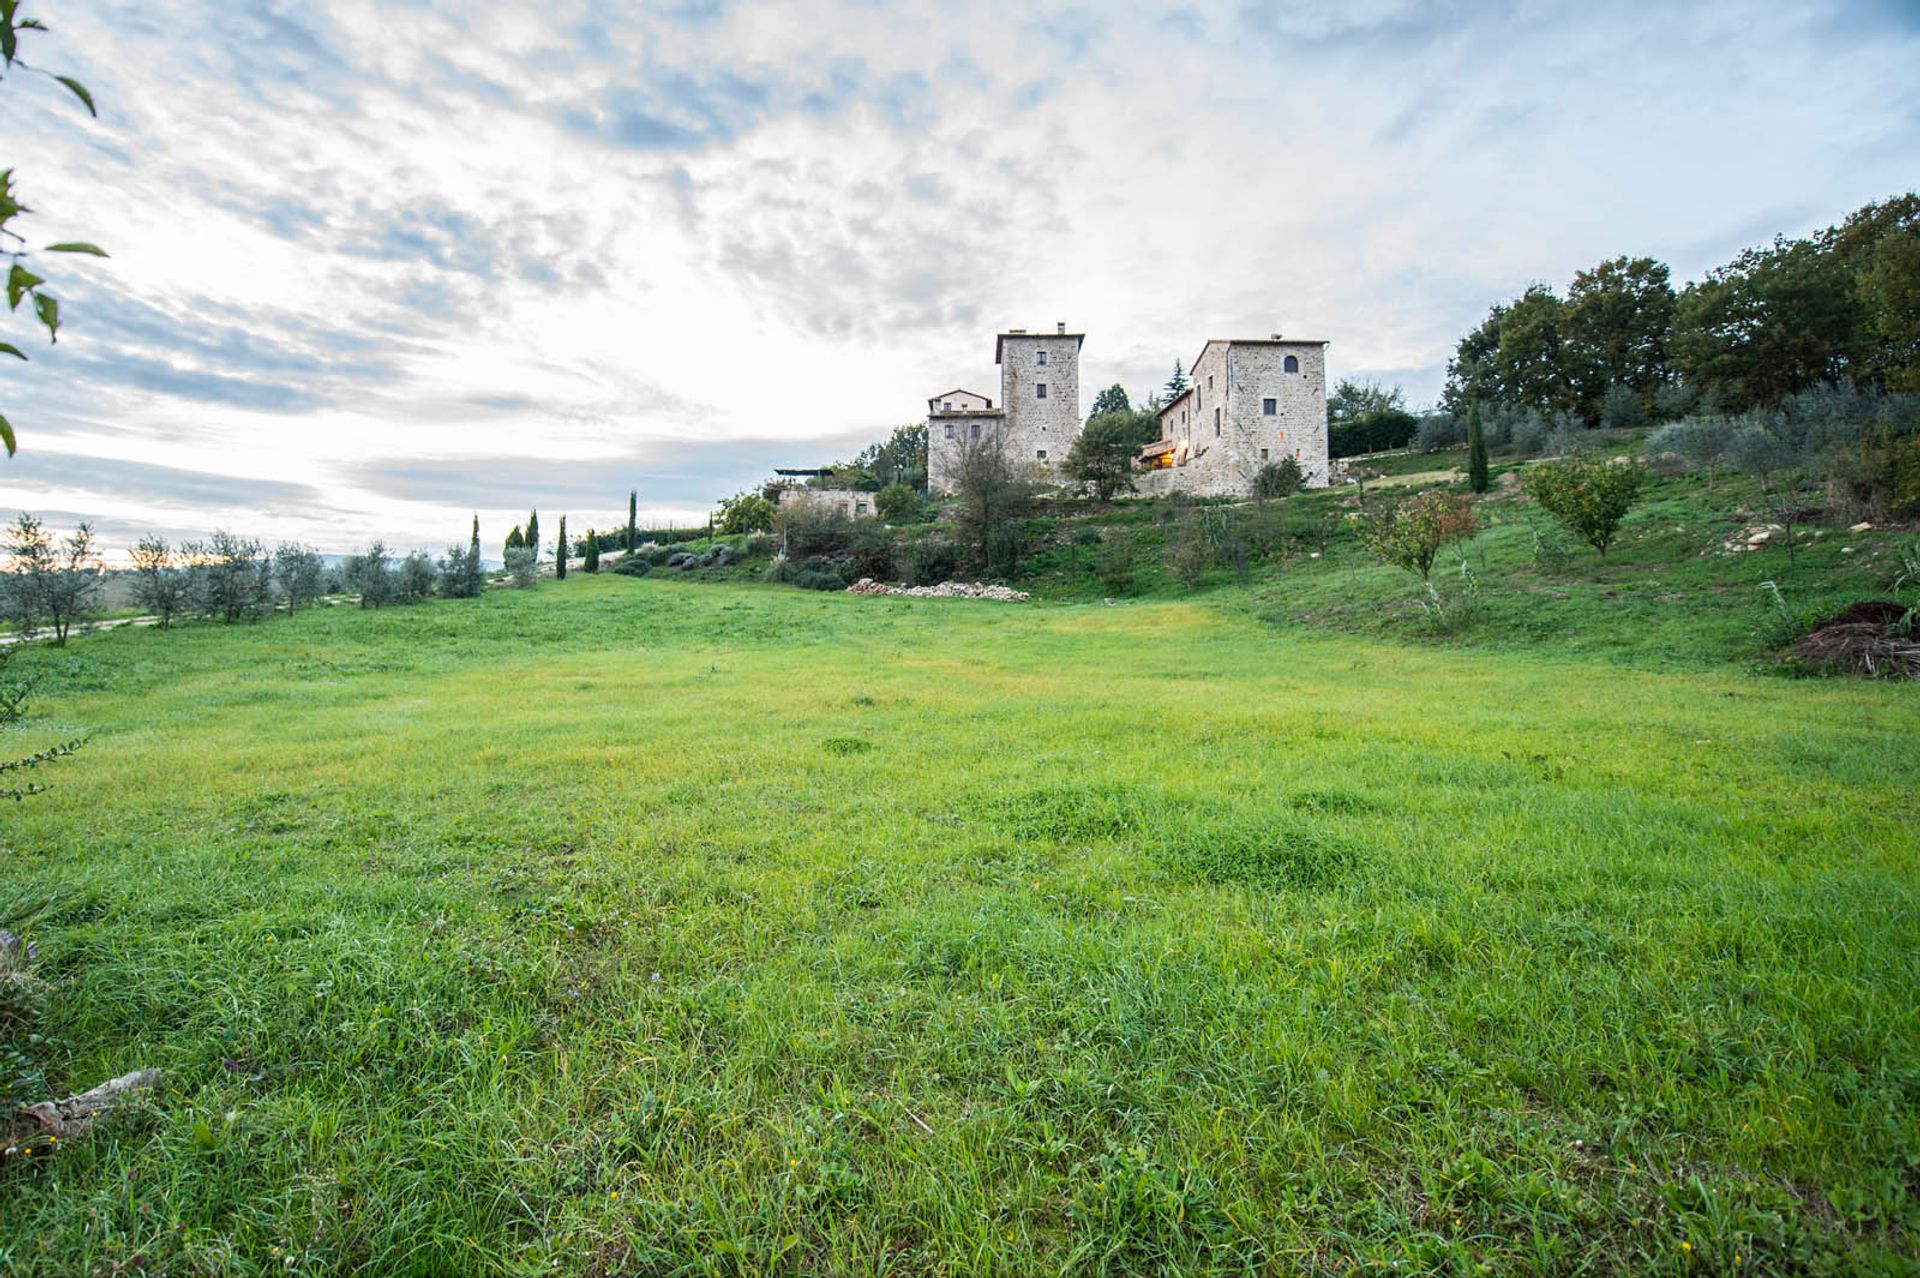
1699	443
1410	534
873	548
1278	479
898	504
1115	564
414	580
632	565
1588	495
523	566
231	577
1878	480
1527	433
1620	409
1102	455
931	560
807	528
744	513
1477	477
1436	431
370	575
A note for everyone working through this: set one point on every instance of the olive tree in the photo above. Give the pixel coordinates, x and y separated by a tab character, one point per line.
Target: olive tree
1589	495
50	583
160	584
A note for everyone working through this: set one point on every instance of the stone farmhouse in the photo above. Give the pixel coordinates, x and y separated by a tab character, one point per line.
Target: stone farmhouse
1040	413
1250	403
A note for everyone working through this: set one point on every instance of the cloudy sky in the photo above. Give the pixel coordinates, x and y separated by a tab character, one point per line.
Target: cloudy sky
380	265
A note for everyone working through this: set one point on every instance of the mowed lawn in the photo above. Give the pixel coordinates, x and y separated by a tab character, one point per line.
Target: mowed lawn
637	927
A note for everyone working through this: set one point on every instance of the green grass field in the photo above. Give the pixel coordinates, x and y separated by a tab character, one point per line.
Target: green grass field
629	927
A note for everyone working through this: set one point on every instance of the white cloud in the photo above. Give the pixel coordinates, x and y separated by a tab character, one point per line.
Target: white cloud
376	250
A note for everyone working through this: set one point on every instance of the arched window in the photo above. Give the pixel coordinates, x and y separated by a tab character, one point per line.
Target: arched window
1293	364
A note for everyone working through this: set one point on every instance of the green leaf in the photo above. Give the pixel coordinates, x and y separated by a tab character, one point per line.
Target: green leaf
79	90
76	246
7	40
8	348
49	312
19	281
6	435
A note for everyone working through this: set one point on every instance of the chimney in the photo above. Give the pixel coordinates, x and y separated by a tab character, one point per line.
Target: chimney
1276	337
1016	330
1061	328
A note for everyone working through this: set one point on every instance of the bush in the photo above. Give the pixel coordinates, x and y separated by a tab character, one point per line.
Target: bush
1878	480
808	528
1410	534
931	560
1699	443
415	579
744	513
1374	431
1620	409
370	575
1587	494
898	504
873	549
634	565
1115	564
1437	432
523	566
1278	479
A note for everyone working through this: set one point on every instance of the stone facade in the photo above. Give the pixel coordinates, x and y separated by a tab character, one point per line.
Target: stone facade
851	502
1251	403
1039	416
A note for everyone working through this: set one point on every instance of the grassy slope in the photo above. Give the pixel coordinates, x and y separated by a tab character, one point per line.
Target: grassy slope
1666	595
623	927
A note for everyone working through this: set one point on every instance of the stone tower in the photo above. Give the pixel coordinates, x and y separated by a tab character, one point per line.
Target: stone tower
1040	390
1039	414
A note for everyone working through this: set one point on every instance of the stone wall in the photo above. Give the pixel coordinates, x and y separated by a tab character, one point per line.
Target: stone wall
1222	426
851	502
947	437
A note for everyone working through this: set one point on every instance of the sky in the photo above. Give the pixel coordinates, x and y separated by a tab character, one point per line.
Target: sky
377	267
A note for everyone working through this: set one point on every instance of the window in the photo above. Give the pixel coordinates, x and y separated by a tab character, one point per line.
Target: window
949	430
1268	407
1293	364
1209	381
859	508
1039	390
1040	453
1040	357
1216	422
976	430
1263	454
946	406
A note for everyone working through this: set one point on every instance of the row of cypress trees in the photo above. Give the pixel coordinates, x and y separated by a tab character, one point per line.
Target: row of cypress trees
527	537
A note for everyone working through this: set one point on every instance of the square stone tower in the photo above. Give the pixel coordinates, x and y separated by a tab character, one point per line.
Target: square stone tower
1039	414
1040	391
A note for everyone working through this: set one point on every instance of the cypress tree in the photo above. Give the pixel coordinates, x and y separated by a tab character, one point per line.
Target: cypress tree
592	555
560	553
633	519
514	539
532	541
1476	451
473	559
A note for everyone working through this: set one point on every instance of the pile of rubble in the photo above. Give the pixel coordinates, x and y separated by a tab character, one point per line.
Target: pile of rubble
945	590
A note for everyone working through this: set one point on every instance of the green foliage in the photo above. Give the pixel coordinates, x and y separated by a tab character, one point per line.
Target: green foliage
159	579
931	560
1111	400
1878	479
14	695
1619	326
369	574
1410	534
514	540
49	583
1367	417
231	578
1278	479
414	579
1178	383
744	513
899	504
591	559
299	574
1116	564
23	283
523	567
631	542
1588	495
991	498
1102	455
632	564
531	540
560	552
1478	478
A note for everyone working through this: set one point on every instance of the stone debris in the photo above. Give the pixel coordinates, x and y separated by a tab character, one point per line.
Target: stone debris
1861	527
945	590
1757	537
